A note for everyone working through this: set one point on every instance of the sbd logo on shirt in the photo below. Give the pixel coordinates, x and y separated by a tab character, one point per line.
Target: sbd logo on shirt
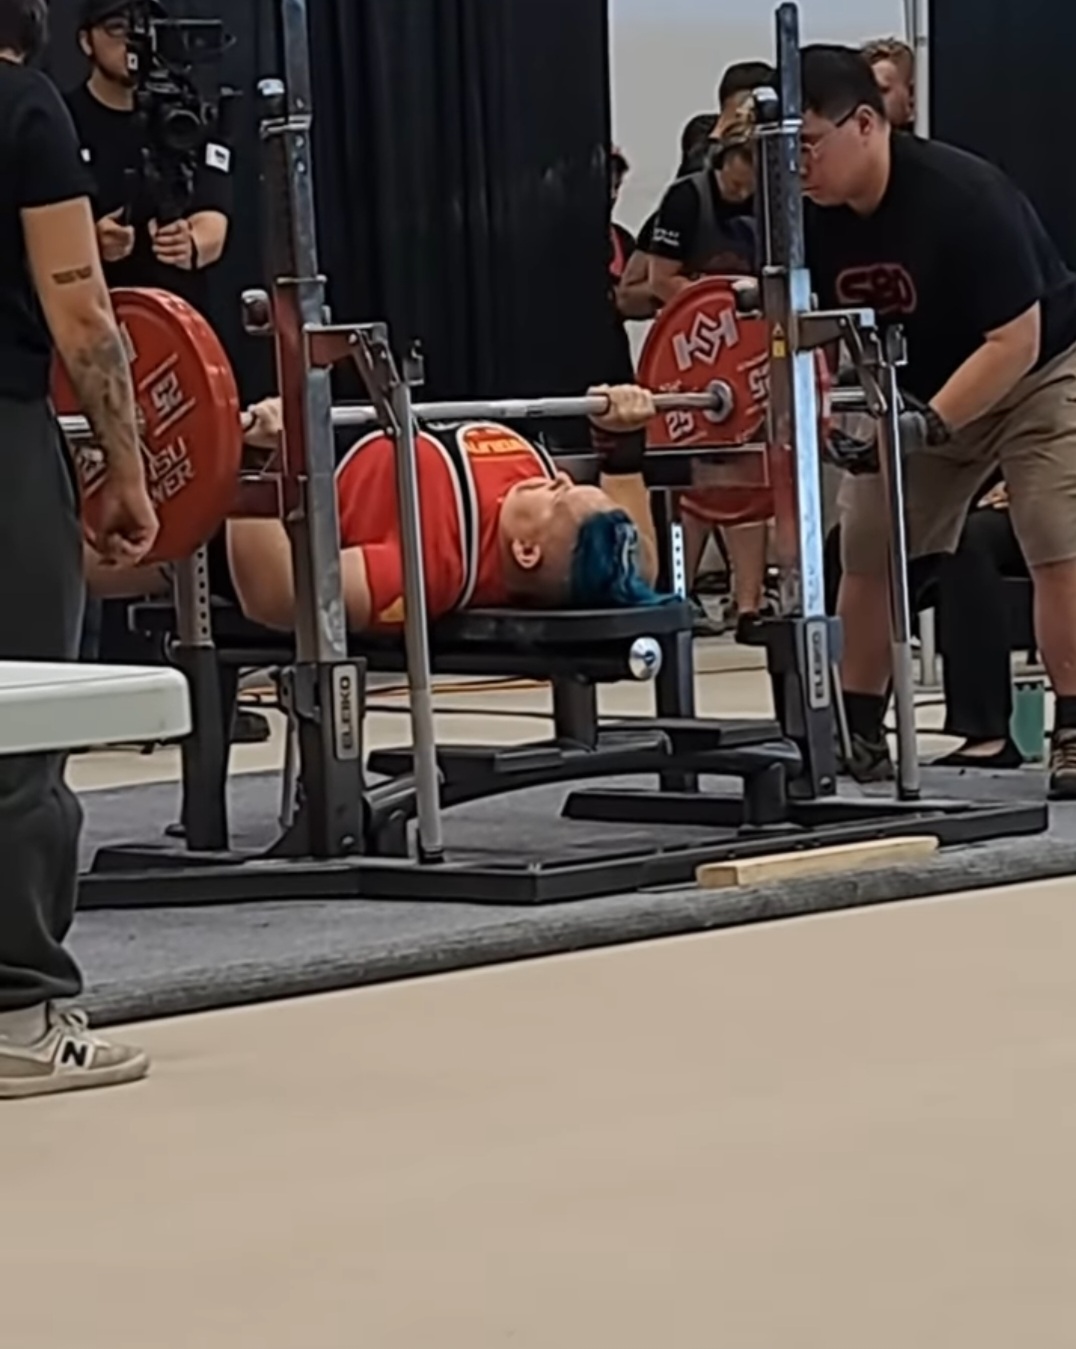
885	287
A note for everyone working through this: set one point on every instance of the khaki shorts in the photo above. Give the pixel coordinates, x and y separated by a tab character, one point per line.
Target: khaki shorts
1032	436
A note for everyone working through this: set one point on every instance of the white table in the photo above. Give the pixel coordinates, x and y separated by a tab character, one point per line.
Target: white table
66	707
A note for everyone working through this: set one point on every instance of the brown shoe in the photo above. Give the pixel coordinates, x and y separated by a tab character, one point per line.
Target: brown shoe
68	1057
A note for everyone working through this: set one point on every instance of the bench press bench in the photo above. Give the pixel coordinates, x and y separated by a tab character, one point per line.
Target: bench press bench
677	752
575	651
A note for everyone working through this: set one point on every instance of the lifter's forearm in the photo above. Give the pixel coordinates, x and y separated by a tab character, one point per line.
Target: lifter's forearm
985	378
97	363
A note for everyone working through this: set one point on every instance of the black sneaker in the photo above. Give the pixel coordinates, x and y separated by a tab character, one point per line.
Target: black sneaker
747	623
1063	766
870	761
250	728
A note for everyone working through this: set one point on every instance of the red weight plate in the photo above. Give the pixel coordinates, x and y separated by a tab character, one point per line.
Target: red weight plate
697	340
188	408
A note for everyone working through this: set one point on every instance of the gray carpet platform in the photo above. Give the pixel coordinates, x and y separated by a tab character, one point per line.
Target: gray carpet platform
161	962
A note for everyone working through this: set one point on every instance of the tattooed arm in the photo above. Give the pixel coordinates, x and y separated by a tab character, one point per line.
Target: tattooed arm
61	245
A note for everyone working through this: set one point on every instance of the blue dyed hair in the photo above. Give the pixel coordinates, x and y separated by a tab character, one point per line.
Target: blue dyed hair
605	565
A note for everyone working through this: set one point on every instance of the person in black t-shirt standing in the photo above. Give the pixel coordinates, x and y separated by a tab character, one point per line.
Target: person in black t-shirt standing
945	245
52	295
137	249
706	226
634	289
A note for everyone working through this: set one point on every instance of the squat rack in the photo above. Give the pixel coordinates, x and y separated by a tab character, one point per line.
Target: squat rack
324	689
801	643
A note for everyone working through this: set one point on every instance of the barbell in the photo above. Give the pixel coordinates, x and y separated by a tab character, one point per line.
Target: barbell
192	437
715	401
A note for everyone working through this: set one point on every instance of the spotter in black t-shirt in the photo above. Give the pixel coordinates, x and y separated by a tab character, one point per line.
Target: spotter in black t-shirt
955	251
39	166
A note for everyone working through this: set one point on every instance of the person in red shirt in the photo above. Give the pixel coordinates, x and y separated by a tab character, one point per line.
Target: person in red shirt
500	525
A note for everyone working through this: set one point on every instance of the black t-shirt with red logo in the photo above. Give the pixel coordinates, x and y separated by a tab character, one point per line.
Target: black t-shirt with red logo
954	252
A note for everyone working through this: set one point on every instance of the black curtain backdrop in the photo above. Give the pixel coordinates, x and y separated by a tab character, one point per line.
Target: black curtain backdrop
1001	86
460	176
462	185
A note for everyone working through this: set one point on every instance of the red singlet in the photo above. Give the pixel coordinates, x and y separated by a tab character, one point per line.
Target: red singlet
464	475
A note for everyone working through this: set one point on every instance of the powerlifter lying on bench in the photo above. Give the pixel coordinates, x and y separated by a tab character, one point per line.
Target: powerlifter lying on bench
500	526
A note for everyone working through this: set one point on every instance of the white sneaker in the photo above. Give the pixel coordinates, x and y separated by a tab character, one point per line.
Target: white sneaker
68	1057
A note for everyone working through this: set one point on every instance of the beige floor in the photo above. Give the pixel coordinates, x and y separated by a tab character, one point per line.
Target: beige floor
855	1132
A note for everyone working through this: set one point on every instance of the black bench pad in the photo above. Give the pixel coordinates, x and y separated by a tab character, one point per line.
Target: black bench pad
468	642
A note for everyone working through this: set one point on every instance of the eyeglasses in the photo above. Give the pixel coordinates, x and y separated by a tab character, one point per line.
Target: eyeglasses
811	149
118	26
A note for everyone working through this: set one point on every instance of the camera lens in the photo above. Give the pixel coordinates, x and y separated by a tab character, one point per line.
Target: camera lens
182	130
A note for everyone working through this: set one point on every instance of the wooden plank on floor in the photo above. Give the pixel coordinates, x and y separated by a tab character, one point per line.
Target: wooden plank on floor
790	866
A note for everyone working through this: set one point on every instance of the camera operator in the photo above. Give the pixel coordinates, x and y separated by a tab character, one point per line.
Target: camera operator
137	247
52	296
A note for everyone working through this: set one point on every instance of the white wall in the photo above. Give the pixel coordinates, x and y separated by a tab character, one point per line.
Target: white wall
668	56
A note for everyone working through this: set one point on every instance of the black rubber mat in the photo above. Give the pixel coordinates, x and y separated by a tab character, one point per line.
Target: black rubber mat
526	826
168	961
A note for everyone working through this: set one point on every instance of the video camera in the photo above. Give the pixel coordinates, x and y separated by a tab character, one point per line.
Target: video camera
175	66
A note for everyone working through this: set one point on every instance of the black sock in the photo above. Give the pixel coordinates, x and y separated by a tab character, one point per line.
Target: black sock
1065	714
866	714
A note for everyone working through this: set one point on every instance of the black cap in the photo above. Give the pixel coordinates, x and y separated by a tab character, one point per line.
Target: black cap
93	12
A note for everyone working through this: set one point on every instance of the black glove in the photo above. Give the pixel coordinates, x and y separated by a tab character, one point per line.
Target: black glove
936	430
621	456
851	444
